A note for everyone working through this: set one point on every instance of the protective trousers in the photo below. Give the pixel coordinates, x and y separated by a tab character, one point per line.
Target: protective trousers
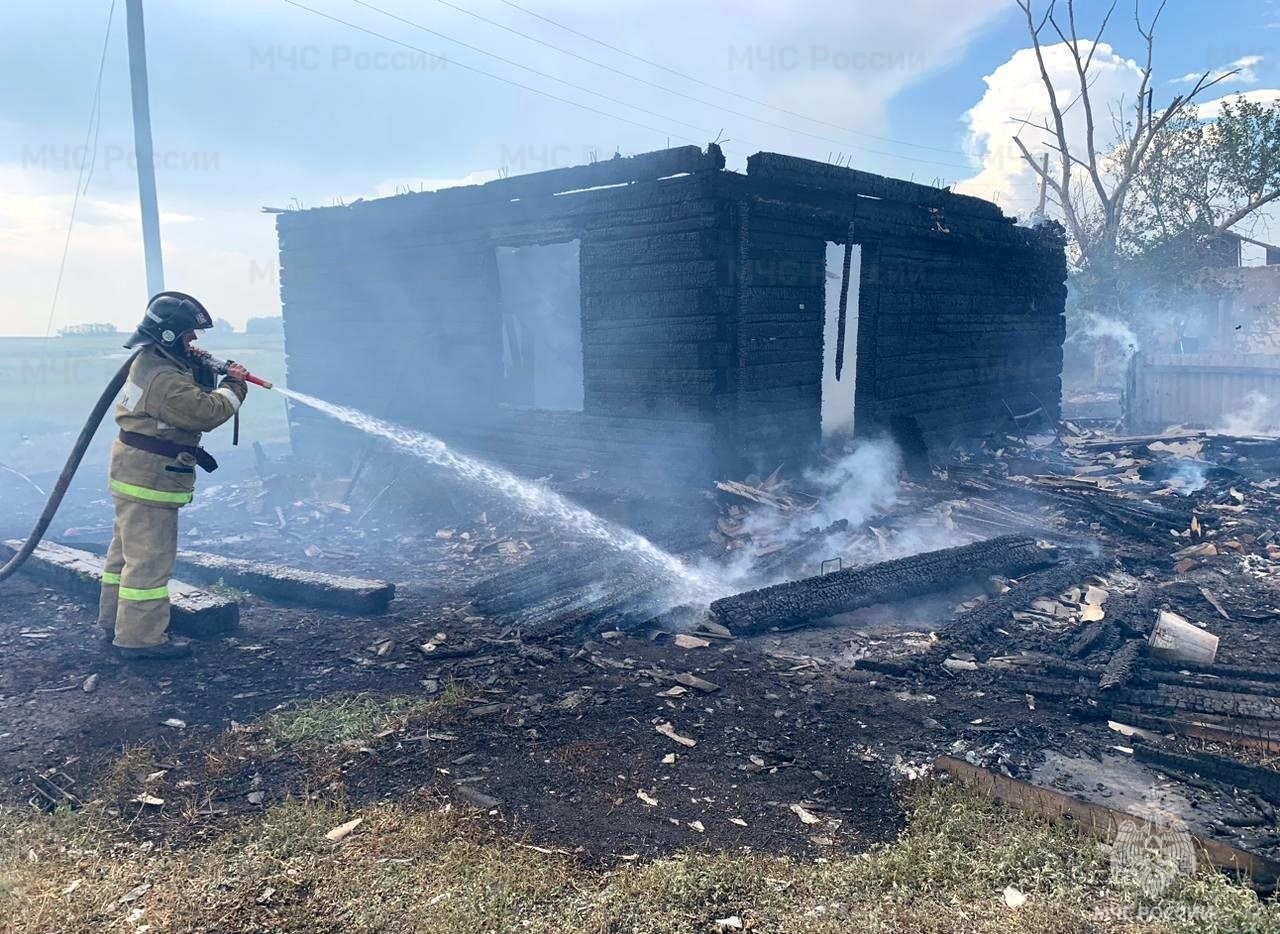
135	581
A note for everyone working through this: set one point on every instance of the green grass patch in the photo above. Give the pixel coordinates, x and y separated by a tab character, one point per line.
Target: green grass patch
227	592
356	720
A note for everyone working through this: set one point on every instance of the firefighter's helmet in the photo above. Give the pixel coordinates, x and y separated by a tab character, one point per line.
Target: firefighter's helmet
170	315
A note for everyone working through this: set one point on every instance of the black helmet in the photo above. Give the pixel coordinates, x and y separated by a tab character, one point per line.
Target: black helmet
169	316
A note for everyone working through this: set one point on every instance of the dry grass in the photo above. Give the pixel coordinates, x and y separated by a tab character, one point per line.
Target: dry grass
355	720
408	870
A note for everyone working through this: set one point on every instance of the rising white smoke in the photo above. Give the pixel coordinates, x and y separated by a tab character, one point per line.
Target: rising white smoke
1259	415
860	487
1099	327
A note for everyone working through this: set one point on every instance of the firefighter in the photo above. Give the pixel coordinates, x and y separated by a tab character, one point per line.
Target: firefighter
170	397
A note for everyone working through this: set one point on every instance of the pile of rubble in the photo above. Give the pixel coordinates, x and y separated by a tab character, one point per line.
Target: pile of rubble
1127	584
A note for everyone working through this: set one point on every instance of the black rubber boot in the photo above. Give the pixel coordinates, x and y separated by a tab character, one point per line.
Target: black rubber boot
174	648
105	635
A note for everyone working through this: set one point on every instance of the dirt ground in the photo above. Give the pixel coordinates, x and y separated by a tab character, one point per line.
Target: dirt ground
618	746
780	751
563	740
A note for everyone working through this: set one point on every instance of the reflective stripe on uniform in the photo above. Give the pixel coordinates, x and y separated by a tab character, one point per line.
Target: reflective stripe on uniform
137	595
230	396
110	579
152	496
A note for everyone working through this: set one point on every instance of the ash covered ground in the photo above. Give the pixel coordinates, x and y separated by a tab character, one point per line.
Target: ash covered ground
577	725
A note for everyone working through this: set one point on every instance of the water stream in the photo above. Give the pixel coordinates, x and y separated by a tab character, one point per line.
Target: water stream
688	584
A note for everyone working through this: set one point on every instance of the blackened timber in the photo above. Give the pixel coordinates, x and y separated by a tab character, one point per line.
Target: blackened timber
701	299
972	629
1264	781
1100	821
288	584
1122	666
1093	636
800	602
825	175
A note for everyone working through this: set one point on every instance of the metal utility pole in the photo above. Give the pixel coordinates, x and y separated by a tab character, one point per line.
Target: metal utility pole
142	147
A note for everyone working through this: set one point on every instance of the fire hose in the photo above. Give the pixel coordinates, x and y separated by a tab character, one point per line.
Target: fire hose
69	469
221	366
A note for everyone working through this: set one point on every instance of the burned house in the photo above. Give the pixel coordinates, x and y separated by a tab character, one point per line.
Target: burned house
658	318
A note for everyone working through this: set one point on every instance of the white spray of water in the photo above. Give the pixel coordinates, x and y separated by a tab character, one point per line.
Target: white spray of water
688	584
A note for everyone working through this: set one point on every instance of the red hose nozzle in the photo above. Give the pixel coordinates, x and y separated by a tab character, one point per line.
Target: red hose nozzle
221	366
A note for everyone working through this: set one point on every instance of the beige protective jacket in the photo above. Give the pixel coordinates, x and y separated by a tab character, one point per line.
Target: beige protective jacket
162	399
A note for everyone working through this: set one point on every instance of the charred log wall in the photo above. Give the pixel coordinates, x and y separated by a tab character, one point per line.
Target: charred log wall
702	298
400	322
960	311
403	294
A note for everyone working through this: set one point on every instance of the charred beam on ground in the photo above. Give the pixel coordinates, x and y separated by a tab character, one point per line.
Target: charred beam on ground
804	601
193	612
1191	700
1266	739
288	584
1256	778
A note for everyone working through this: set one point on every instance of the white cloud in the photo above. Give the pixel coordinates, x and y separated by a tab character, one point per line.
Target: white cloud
1016	93
274	132
1244	68
1212	109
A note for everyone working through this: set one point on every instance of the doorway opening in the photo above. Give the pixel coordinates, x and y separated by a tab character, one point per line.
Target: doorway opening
541	326
840	338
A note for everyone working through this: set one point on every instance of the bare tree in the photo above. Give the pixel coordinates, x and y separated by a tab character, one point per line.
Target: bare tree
1093	202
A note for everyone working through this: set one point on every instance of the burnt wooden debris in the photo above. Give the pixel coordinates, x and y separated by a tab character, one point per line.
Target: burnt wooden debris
973	630
287	584
1100	821
799	602
580	590
1122	665
193	612
1256	778
700	309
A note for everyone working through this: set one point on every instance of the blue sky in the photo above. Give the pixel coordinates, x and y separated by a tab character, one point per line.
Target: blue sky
257	102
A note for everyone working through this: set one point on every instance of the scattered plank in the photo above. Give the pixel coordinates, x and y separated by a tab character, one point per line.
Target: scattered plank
193	612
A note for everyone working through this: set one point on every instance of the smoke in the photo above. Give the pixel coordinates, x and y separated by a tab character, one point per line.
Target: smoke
1099	327
1259	415
851	521
1188	477
857	486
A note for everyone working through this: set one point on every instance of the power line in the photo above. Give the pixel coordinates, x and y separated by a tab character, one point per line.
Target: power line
664	88
479	71
687	77
526	87
95	117
541	74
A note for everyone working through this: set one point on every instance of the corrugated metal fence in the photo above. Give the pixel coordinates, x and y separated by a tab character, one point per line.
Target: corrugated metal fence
1197	390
